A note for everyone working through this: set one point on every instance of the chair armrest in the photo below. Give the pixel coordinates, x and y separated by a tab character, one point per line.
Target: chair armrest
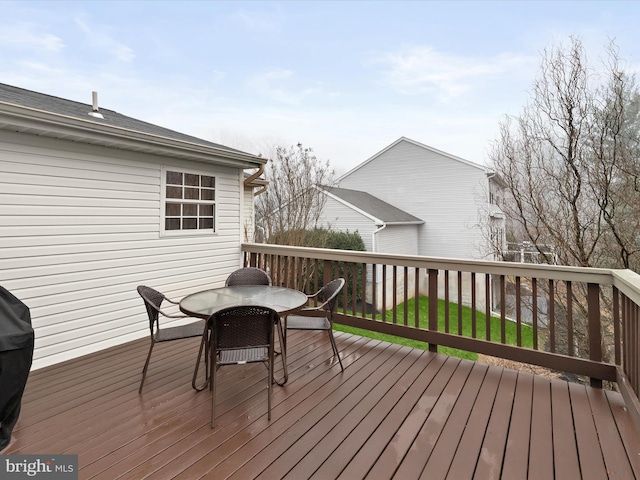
169	315
172	315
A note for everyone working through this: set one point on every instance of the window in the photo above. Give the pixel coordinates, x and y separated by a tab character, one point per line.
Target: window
189	202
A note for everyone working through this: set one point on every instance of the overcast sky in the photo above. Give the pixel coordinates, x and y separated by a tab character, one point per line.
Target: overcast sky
345	78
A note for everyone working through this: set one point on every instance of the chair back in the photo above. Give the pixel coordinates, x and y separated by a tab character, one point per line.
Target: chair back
248	276
248	326
152	301
329	294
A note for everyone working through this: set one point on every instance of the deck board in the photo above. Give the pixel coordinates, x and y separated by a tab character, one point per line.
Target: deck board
393	412
565	453
541	456
589	452
516	457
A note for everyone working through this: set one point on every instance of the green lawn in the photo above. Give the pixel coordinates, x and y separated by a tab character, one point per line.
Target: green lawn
526	331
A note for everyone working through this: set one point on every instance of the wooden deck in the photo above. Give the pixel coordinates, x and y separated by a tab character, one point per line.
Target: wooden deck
394	413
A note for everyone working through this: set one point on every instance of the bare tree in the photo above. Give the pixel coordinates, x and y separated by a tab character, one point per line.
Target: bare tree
292	203
570	164
570	161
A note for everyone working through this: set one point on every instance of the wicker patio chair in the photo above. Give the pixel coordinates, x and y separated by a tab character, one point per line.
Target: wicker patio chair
248	276
328	295
153	303
240	335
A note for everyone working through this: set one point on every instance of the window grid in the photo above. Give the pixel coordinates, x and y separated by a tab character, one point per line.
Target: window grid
189	201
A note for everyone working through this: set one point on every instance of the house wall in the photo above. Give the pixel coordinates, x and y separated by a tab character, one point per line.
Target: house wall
398	239
337	216
445	192
80	229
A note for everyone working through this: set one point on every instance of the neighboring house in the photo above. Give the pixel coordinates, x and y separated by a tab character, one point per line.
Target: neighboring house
447	198
450	195
94	203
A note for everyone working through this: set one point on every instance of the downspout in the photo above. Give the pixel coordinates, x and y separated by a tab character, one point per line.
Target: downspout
373	238
254	175
262	183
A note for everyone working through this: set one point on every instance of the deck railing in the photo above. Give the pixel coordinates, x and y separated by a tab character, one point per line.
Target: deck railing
581	321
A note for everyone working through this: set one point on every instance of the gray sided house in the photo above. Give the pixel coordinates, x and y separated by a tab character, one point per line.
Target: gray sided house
451	195
94	203
448	200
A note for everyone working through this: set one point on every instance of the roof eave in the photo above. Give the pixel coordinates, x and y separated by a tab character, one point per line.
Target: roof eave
38	122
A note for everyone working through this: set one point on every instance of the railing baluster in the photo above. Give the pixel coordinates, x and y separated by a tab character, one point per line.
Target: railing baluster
487	302
354	288
406	295
364	289
416	296
393	296
384	292
616	325
634	353
374	290
433	305
534	311
459	302
503	309
518	312
474	333
551	320
446	301
570	339
595	328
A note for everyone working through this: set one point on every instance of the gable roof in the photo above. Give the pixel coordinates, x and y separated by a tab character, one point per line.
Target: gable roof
418	144
37	113
379	211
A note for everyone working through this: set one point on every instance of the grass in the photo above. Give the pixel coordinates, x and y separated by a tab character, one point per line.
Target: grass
510	327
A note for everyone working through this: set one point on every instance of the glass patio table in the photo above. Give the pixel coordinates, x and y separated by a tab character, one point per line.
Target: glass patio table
203	304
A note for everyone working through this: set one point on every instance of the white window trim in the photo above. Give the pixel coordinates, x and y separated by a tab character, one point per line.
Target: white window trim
163	202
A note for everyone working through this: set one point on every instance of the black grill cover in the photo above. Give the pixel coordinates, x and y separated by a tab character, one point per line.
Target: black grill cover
16	355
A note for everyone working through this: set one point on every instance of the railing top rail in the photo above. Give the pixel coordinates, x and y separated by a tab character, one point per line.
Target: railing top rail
628	282
602	276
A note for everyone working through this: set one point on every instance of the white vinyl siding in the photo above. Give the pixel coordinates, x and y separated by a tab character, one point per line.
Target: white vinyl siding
398	239
339	217
80	229
446	192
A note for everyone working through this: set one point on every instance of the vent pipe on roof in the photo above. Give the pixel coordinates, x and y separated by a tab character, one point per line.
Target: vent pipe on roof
95	112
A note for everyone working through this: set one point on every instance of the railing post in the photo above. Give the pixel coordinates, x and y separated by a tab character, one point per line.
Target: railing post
433	305
595	328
